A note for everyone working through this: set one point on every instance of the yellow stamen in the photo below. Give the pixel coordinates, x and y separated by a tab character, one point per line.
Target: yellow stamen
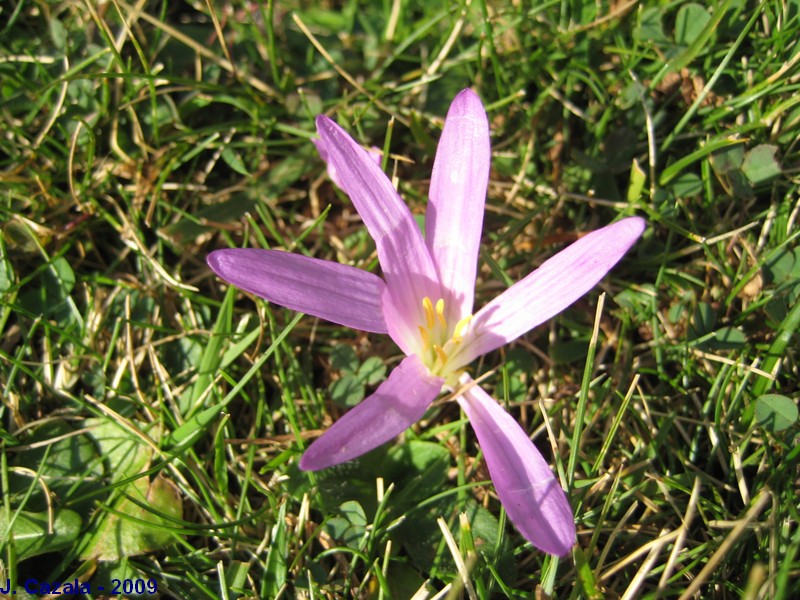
440	312
440	353
426	340
427	305
460	327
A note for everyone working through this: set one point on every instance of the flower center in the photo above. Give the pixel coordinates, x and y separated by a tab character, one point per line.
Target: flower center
440	342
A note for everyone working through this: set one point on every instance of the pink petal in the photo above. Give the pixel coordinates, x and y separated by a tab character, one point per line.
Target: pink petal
399	402
551	288
407	266
457	196
325	289
526	486
374	153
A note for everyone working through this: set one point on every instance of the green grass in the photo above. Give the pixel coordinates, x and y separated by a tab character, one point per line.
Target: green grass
152	417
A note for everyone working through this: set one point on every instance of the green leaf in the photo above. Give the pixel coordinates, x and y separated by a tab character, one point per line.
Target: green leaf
405	581
64	274
783	266
727	338
343	358
7	278
71	466
275	567
349	526
372	371
416	468
213	354
727	159
649	29
416	456
347	391
738	185
236	574
49	293
699	40
32	534
785	332
775	412
727	164
125	454
689	23
778	308
703	320
687	185
710	147
586	578
730	335
58	33
760	164
234	161
140	521
637	180
676	312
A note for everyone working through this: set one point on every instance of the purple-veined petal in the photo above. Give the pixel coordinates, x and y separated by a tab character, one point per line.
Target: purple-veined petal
407	266
374	153
454	218
398	403
325	289
551	288
526	486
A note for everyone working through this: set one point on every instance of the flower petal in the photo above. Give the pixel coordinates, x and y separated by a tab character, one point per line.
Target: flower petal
526	486
374	153
407	266
325	289
551	288
399	402
457	195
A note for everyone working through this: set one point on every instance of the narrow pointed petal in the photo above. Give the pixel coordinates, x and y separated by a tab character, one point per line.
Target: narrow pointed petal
551	288
324	289
399	402
374	153
407	266
457	196
526	486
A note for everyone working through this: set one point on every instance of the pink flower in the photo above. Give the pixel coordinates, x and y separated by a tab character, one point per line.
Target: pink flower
424	302
374	153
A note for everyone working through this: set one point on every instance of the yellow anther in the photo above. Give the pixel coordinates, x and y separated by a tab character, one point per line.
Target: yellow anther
460	327
440	353
426	340
427	306
440	312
